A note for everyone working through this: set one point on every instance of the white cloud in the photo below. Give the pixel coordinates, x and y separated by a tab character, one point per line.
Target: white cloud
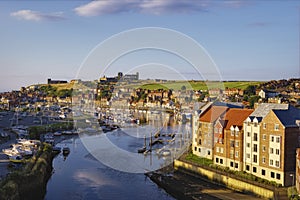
102	7
31	15
106	7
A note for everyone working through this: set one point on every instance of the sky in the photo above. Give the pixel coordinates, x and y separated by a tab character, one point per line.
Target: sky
245	40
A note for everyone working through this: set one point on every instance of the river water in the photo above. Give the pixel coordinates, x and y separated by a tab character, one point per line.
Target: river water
80	175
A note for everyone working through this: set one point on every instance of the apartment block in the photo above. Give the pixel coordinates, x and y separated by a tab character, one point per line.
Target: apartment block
203	138
270	142
228	139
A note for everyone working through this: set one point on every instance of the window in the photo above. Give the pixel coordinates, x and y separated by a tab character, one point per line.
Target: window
195	148
231	143
263	172
236	165
277	163
271	150
237	143
217	150
248	155
264	136
195	139
199	141
263	160
255	158
255	124
278	176
254	147
217	160
263	148
272	138
199	149
271	162
248	144
221	150
236	133
264	125
208	152
231	164
231	153
272	175
221	161
248	123
277	151
255	137
276	127
254	169
247	167
236	154
232	132
248	134
278	139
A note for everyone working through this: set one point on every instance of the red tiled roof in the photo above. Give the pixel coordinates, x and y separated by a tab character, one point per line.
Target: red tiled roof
236	117
213	113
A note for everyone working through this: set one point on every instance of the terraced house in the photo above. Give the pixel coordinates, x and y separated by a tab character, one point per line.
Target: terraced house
228	139
270	142
203	139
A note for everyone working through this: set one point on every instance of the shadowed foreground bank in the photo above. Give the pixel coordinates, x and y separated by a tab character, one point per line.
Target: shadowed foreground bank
182	185
30	181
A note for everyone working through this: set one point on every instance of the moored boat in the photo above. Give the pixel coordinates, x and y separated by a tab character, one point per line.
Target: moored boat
16	159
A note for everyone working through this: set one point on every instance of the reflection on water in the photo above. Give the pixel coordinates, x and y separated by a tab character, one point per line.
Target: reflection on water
81	176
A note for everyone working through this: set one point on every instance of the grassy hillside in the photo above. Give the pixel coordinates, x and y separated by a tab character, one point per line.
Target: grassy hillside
199	85
175	85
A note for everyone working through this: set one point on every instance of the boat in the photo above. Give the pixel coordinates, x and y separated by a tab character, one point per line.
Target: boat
16	159
144	148
166	153
57	133
18	149
66	151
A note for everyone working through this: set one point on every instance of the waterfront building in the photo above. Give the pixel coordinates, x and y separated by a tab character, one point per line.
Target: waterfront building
228	139
203	139
296	176
270	141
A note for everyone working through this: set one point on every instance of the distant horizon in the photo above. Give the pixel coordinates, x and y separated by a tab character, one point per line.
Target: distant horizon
69	80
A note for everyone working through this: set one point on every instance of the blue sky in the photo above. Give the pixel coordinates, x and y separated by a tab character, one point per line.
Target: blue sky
248	40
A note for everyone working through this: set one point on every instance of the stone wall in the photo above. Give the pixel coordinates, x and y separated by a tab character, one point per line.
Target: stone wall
226	180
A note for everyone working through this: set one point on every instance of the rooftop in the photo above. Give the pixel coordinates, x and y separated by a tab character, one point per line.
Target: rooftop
263	109
213	113
236	117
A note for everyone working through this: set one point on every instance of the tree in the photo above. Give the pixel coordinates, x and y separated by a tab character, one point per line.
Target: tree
250	90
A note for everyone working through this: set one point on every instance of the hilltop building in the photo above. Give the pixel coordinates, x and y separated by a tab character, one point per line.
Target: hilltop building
119	77
49	81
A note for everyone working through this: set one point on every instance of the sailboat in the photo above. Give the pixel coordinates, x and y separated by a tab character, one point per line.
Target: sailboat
144	148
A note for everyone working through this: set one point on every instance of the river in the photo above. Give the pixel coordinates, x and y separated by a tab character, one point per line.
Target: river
80	175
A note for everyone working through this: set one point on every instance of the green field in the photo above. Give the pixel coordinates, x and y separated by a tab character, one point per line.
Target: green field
199	85
177	85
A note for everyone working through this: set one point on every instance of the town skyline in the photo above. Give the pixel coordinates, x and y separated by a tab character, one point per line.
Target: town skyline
246	40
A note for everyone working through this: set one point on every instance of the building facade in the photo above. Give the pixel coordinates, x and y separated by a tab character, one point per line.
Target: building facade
203	138
228	139
270	141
